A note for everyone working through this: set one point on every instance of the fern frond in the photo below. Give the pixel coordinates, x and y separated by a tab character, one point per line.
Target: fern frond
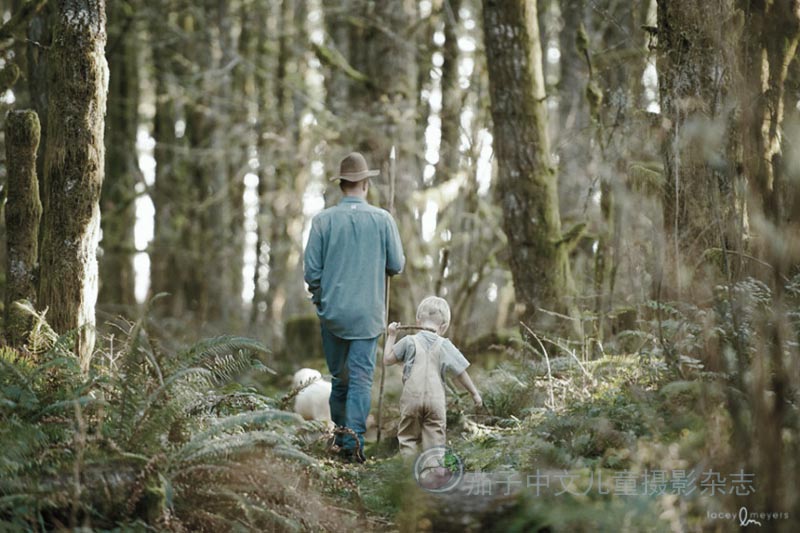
167	406
230	423
82	401
220	348
229	446
41	337
292	453
257	513
226	367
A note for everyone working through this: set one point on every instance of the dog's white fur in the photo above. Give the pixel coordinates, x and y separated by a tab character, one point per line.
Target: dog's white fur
303	375
312	402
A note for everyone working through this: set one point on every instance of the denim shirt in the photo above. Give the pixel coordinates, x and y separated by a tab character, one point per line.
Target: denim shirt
351	248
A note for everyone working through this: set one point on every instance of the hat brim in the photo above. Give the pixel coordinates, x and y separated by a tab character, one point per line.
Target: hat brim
356	176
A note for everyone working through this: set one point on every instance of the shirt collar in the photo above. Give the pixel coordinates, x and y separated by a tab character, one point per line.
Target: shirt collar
352	200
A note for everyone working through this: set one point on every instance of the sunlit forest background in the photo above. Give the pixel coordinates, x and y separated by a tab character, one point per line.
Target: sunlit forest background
606	192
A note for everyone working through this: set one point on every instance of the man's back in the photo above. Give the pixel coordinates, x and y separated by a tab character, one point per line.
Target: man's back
351	248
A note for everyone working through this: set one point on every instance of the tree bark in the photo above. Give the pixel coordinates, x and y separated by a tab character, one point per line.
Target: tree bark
118	200
771	36
339	27
447	165
281	206
527	182
768	48
264	58
169	257
40	40
73	170
700	192
22	213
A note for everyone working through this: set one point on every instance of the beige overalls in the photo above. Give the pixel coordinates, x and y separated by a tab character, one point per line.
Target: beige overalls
422	404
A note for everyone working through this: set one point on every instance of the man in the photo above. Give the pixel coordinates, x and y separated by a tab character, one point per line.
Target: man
351	248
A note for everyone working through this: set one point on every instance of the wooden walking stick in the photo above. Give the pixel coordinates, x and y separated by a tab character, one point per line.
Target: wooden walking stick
392	172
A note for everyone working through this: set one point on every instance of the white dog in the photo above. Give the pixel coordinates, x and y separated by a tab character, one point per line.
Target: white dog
312	402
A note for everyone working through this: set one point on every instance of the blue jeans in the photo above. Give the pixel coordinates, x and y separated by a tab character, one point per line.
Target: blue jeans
352	365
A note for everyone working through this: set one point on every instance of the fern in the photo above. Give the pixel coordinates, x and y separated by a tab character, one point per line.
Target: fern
227	357
163	423
41	337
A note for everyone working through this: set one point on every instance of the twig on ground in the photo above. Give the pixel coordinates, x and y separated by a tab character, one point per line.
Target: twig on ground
572	353
547	360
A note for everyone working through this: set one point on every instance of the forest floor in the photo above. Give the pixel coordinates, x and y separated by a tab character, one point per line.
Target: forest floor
187	438
622	445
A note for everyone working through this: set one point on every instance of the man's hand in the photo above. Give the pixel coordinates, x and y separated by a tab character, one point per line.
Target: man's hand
476	397
392	328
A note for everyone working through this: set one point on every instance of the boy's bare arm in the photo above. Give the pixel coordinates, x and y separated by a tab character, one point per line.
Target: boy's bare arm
466	382
388	349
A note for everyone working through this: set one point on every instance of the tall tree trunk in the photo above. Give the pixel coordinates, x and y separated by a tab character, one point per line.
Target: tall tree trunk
264	59
447	165
22	97
170	258
699	189
242	113
168	190
22	213
73	170
217	242
771	36
527	179
768	48
279	189
338	26
40	40
118	201
574	121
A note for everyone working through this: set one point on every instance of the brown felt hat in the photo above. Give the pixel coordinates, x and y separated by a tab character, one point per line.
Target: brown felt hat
354	168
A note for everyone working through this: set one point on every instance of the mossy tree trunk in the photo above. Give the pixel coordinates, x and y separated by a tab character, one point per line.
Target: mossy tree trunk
22	213
265	119
701	196
452	103
40	38
771	35
118	200
527	183
339	27
216	249
200	124
170	259
242	113
73	170
574	120
767	51
280	201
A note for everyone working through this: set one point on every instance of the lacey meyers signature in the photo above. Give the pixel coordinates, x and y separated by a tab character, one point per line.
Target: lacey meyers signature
744	518
748	518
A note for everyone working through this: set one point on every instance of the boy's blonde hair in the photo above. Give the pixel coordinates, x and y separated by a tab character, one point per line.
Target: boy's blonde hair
434	310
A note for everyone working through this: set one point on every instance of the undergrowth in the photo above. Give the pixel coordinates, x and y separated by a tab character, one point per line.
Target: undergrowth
149	439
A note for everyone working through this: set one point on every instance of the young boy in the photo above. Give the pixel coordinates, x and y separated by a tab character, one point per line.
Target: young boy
426	355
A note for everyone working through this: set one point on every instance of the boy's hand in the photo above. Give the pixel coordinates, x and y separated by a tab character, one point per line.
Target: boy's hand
477	399
392	328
